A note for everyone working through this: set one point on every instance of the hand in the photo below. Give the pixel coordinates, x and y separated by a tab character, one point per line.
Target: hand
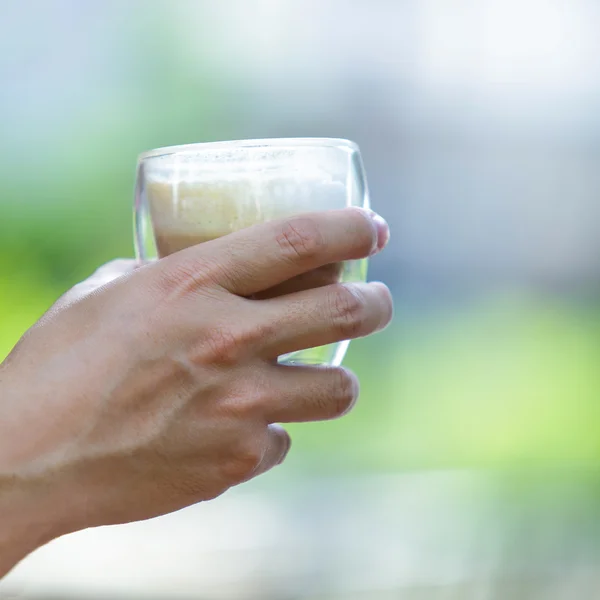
160	388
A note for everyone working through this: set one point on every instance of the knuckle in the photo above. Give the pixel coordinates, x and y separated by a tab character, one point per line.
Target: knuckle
220	346
182	276
300	239
254	333
227	345
348	311
243	462
242	405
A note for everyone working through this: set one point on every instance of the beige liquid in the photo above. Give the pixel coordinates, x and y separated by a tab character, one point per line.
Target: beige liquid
168	242
189	213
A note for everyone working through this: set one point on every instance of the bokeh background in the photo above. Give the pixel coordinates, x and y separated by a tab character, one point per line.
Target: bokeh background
468	469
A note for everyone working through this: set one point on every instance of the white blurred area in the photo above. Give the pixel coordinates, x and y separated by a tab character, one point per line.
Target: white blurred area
479	126
435	536
441	47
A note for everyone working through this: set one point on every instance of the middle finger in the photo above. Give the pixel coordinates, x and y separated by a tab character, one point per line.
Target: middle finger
325	315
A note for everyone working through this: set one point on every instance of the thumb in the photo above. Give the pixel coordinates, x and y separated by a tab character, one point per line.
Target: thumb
102	276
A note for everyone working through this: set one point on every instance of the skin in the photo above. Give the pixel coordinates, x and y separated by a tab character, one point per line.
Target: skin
145	390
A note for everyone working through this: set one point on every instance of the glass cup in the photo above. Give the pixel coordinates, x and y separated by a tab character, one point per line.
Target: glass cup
191	194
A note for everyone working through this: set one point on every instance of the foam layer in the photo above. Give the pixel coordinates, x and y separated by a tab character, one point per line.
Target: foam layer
213	203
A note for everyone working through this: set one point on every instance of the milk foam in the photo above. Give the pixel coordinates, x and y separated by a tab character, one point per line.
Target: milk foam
224	196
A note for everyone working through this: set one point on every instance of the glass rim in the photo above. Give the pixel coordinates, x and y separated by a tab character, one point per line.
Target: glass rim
340	143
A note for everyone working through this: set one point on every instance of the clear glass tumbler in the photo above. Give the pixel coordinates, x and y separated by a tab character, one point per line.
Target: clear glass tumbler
191	194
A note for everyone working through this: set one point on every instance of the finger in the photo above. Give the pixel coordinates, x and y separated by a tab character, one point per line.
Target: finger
325	275
105	274
324	316
260	257
278	446
308	393
102	276
115	268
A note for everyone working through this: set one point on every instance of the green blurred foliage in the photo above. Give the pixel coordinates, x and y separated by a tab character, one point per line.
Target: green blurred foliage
502	382
507	383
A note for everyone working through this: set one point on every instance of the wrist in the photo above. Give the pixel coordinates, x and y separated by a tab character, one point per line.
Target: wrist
33	510
24	523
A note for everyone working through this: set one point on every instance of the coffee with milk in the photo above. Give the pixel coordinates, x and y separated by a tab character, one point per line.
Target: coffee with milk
190	205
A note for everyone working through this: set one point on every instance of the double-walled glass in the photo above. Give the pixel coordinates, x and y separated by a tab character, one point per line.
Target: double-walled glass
192	194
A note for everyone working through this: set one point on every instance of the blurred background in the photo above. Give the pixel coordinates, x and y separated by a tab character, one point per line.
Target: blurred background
468	469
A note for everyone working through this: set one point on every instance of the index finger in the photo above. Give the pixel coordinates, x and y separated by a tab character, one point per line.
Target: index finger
262	256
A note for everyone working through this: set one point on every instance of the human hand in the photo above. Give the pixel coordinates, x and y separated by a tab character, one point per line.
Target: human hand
146	390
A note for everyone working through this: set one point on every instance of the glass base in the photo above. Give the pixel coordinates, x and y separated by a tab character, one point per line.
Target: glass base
330	355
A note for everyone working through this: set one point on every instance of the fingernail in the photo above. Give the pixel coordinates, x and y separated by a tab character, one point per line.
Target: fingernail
383	231
285	453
